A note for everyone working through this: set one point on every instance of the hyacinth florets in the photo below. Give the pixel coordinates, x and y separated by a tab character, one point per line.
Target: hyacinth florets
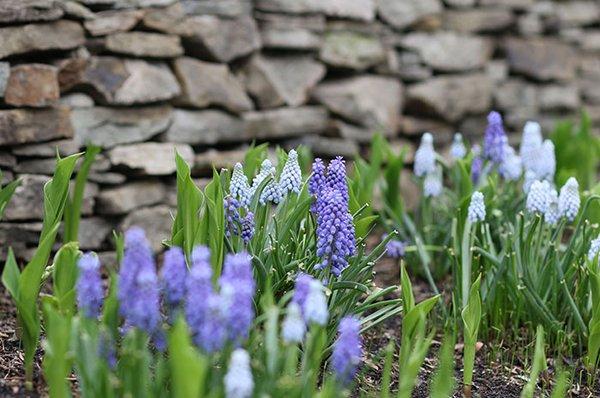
173	276
594	248
266	169
317	178
425	157
247	227
293	328
395	248
495	139
552	214
530	142
476	164
232	215
310	297
568	200
238	379
291	175
476	210
511	166
138	290
347	350
90	293
272	192
458	149
336	177
432	184
239	188
537	198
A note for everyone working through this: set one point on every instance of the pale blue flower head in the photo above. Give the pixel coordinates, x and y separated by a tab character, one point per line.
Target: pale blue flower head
425	156
272	193
537	198
458	149
238	379
294	327
310	296
239	187
510	169
552	214
530	143
266	169
476	211
432	184
90	293
594	248
291	175
568	200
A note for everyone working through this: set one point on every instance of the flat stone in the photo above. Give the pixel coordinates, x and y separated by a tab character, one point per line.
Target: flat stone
59	35
206	83
512	4
21	126
590	66
497	70
352	132
28	233
590	90
107	22
404	13
559	97
36	166
369	100
108	127
515	94
144	44
219	159
450	52
127	197
4	74
460	3
47	149
76	10
34	85
107	178
7	160
284	122
490	19
89	197
15	11
577	13
27	202
150	158
411	68
118	81
207	127
353	50
329	147
282	80
93	232
451	97
409	148
6	177
223	8
77	100
292	38
156	221
415	126
356	9
541	59
590	41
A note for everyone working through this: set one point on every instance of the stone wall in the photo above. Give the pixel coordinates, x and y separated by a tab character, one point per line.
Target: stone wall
138	76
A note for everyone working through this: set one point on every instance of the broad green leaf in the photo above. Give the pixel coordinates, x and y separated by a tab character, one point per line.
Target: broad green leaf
188	367
65	276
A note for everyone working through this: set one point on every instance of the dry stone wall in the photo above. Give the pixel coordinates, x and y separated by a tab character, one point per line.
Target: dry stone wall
140	77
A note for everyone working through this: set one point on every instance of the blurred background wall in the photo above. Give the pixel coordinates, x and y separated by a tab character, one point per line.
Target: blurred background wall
136	76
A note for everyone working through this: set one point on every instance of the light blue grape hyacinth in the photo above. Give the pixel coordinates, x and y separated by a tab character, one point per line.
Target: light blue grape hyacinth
239	188
294	327
510	169
531	141
594	248
432	184
458	149
552	214
476	211
291	175
568	200
425	156
238	379
266	169
537	198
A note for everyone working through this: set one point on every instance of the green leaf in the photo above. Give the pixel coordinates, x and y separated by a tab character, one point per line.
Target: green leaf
539	364
442	385
471	316
57	360
188	367
65	276
6	194
11	274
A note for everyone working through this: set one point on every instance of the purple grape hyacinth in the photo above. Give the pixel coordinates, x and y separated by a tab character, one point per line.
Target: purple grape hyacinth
495	139
173	276
347	350
90	293
248	227
232	215
336	177
317	179
476	164
395	248
309	295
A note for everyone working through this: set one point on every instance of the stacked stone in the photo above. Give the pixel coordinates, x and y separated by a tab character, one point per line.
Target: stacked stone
142	77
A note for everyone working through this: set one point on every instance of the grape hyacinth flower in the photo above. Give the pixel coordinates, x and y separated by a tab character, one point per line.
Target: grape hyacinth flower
238	187
495	140
310	297
173	276
568	200
395	248
107	349
432	185
552	215
138	290
238	379
232	215
537	198
336	177
247	228
335	231
530	178
203	307
476	211
594	248
317	178
458	150
530	143
544	163
237	293
291	175
425	156
476	164
90	293
510	169
347	350
293	328
266	169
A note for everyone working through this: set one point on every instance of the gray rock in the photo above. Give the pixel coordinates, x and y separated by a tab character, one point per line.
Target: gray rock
282	80
415	126
541	59
93	232
329	147
371	101
513	4
478	20
144	44
77	10
108	127
356	9
34	85
223	8
497	70
207	127
284	122
590	67
125	198
27	202
516	94
150	158
15	11
107	178
77	100
6	177
206	83
590	90
4	74
450	52
577	13
559	97
460	3
353	132
7	160
403	13
452	96
59	35
47	149
27	233
107	22
219	159
22	126
590	41
89	197
156	221
36	166
353	50
297	32
411	68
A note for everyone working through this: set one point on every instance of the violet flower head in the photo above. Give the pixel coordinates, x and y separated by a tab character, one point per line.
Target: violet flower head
537	198
552	214
495	138
238	187
107	349
237	294
395	248
238	379
425	156
293	328
203	312
476	164
291	175
458	149
568	200
138	290
432	184
310	297
90	293
247	228
317	178
476	210
232	215
335	231
531	141
347	350
173	276
336	177
594	248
